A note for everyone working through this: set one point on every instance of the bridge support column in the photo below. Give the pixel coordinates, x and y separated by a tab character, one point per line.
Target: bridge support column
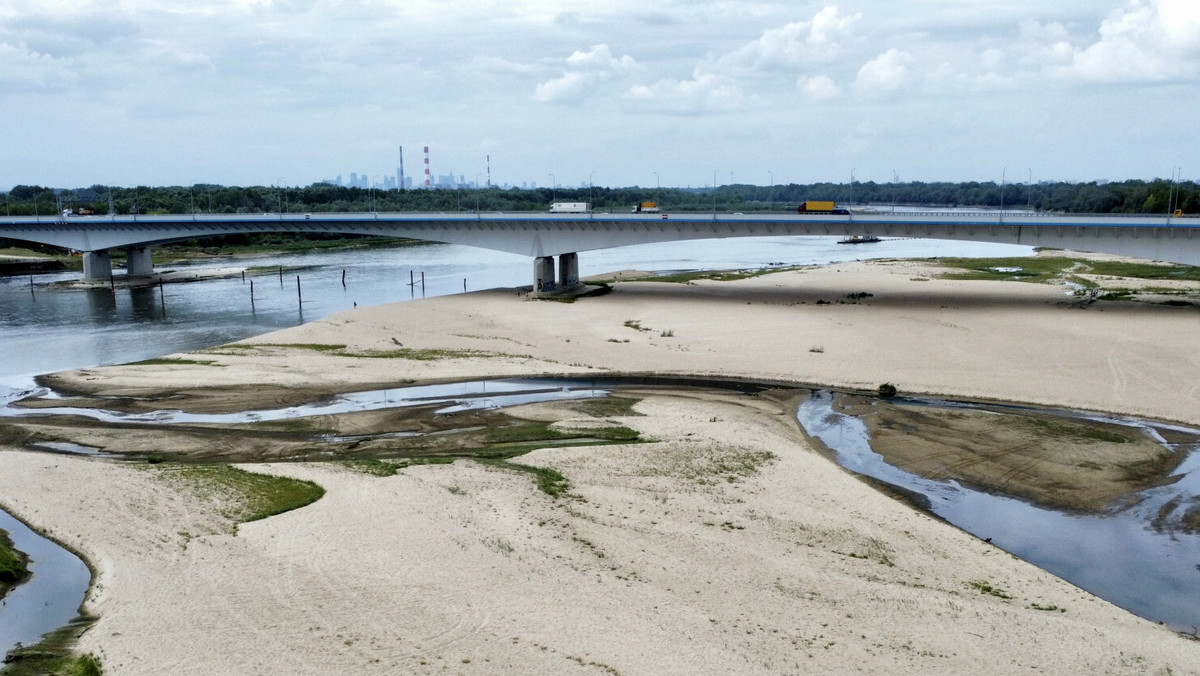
137	261
97	266
568	270
543	273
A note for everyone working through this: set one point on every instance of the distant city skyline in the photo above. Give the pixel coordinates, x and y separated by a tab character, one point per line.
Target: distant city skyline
241	92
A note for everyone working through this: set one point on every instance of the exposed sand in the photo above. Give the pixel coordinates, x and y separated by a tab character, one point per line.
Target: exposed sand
662	559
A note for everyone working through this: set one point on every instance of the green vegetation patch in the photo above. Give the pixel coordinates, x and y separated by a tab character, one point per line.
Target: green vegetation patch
174	361
1144	270
605	407
13	562
1038	269
1050	268
984	587
714	275
342	351
246	496
53	655
542	432
419	355
384	467
315	347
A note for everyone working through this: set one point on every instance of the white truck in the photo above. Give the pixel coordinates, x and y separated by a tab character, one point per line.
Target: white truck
569	208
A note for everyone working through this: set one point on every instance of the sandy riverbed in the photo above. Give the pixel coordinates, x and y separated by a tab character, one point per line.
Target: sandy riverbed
728	546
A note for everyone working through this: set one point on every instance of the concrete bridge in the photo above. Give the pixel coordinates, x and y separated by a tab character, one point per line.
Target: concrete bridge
544	236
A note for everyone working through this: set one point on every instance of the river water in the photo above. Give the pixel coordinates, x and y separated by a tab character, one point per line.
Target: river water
45	327
1136	557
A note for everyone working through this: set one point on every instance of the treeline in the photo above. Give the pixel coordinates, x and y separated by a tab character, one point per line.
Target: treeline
1125	197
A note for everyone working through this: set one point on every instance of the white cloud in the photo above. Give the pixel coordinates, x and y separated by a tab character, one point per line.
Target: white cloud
24	68
702	93
887	72
795	45
565	88
1144	41
583	70
818	88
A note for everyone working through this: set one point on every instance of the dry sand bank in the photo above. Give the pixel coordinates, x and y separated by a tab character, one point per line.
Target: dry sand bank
728	546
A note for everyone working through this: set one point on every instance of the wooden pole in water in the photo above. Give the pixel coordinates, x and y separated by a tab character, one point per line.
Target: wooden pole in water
343	278
410	279
464	284
243	276
422	281
280	275
252	296
299	298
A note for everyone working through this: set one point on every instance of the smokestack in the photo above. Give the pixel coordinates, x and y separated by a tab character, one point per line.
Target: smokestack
489	170
428	182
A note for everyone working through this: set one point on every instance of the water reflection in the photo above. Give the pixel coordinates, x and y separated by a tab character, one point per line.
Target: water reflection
1119	556
103	305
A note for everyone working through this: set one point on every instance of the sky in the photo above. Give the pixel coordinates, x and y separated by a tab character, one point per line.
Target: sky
615	93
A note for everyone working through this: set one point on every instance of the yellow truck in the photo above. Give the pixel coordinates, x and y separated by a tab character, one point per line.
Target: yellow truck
820	207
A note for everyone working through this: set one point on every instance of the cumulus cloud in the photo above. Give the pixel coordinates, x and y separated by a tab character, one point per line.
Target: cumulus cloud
564	88
24	68
796	44
702	93
583	69
1144	41
818	88
885	73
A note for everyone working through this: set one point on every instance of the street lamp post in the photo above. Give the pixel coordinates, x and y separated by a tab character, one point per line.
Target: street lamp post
656	188
591	188
553	188
771	190
1002	177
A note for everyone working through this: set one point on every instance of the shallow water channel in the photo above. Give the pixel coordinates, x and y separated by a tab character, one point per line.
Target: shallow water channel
1135	556
1132	556
50	598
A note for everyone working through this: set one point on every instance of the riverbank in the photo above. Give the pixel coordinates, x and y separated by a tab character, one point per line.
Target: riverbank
724	545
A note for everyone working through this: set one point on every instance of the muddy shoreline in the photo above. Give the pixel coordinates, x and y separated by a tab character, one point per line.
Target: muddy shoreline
1056	461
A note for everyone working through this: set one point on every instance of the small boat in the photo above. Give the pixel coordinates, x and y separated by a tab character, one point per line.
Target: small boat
859	239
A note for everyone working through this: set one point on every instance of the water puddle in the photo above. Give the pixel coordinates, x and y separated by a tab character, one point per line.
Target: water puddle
1132	557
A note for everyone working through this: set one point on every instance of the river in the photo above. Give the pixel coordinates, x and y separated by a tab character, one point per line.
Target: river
46	327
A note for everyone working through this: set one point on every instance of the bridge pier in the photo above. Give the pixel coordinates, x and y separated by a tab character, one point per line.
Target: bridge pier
543	274
544	279
568	270
97	266
138	262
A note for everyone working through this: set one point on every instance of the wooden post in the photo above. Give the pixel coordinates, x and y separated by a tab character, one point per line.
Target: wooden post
299	298
243	276
343	278
464	284
280	275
